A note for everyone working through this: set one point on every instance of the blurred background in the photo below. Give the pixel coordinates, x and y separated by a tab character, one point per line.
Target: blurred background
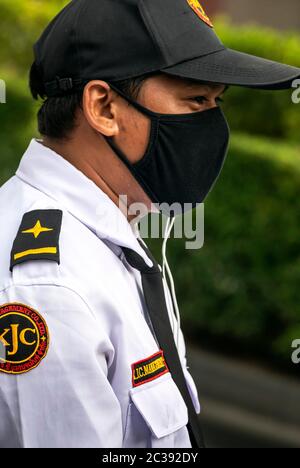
240	294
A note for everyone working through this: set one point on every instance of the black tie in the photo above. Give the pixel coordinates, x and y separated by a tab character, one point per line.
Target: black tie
156	303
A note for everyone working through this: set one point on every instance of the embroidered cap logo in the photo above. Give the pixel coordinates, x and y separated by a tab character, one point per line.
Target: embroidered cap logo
199	10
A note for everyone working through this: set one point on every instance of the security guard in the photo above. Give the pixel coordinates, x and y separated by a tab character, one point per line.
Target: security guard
92	352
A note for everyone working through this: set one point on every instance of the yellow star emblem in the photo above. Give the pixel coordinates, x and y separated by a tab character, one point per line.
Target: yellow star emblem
37	230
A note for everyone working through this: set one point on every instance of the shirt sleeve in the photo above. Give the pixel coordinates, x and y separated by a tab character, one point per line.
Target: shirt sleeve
67	400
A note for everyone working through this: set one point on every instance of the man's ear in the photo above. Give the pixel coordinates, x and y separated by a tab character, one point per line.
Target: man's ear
100	109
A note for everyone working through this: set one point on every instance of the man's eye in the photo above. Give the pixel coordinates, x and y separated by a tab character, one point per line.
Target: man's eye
200	99
203	99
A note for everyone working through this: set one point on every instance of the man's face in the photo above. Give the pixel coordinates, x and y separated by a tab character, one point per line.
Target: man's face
165	95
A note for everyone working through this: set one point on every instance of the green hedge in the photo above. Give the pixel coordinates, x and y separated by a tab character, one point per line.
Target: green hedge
244	283
22	23
260	112
17	119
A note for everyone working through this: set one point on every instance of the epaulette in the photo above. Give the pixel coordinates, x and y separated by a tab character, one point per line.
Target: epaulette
38	237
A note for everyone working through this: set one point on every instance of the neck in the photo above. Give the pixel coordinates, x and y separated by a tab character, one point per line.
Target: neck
96	160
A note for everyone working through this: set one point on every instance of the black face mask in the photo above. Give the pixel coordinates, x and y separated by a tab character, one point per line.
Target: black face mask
184	158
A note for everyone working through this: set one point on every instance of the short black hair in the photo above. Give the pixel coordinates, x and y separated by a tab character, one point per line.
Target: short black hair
57	115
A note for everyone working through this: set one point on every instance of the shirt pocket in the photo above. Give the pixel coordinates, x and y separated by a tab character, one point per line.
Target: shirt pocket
157	416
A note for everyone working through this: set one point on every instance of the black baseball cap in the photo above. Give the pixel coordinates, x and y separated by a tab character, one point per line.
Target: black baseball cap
113	40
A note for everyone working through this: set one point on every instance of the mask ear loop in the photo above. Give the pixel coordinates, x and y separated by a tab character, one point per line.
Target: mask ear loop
167	269
134	103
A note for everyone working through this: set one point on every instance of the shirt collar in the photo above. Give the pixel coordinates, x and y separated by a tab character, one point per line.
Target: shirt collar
51	174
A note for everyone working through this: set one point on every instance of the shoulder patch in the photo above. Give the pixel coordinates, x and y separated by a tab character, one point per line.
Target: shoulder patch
149	369
38	237
24	338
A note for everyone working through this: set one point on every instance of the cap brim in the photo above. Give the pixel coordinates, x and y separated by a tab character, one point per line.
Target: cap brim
231	67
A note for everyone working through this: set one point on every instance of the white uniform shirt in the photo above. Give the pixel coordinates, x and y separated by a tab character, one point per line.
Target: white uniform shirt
81	394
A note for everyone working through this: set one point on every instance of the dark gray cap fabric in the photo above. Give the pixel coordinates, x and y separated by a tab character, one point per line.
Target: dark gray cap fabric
114	40
237	68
